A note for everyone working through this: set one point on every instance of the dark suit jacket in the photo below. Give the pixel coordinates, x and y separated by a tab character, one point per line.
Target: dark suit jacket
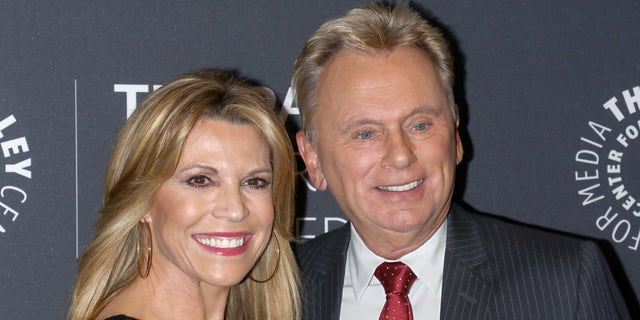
492	270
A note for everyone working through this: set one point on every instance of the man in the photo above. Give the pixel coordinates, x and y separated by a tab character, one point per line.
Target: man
381	132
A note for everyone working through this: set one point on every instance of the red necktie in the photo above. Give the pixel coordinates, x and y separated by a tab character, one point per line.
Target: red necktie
396	278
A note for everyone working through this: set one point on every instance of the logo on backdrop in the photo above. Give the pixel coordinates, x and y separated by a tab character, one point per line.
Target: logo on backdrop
16	172
607	172
131	92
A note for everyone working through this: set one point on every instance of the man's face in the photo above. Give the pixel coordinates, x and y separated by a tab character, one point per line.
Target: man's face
387	146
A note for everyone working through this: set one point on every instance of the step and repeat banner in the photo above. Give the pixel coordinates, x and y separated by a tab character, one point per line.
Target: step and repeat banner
549	93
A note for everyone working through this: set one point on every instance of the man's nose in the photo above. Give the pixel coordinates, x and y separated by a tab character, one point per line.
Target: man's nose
399	151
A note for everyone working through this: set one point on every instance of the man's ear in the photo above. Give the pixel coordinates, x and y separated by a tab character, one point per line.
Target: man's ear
458	142
310	156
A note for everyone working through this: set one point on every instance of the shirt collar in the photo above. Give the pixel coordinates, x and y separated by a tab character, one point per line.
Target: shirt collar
427	262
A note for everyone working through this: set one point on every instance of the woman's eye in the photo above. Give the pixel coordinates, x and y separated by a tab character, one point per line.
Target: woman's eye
257	183
198	181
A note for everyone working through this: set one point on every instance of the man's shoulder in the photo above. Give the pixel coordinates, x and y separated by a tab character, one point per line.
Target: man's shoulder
501	236
325	242
552	265
328	244
505	228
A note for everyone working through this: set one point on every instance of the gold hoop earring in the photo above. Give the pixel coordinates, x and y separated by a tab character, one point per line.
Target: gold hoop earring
149	252
277	263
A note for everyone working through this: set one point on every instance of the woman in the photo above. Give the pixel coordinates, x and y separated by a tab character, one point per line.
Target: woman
198	206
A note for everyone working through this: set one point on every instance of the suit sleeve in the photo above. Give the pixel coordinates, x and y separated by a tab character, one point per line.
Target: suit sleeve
598	296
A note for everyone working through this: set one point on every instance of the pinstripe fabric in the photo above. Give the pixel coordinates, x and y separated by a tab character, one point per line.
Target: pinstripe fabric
493	270
322	261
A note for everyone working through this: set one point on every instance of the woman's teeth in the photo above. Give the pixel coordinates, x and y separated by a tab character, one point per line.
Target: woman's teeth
221	242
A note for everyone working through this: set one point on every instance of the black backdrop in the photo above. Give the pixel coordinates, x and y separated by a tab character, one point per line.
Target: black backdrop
549	90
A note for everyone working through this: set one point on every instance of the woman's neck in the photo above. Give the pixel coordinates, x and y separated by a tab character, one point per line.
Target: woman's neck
161	296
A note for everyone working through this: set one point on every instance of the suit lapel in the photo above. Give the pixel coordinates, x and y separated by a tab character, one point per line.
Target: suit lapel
328	278
466	290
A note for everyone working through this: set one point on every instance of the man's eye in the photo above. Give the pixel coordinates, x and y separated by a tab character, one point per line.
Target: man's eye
365	135
420	127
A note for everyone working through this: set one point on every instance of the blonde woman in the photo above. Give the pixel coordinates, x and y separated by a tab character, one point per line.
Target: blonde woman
198	205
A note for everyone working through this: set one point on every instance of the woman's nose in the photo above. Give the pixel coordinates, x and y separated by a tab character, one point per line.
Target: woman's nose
232	206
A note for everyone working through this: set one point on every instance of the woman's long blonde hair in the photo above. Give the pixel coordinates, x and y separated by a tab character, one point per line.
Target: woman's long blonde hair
146	154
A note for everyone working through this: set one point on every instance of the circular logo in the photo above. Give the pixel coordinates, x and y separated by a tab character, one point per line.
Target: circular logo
16	169
608	168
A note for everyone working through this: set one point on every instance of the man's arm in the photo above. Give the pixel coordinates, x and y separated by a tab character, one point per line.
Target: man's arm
598	295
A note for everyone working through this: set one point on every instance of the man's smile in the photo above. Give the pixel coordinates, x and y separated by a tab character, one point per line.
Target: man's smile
405	187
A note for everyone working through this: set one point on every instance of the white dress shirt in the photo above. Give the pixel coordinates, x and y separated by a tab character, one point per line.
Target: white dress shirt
363	296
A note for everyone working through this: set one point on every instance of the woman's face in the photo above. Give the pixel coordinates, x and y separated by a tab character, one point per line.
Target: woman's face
212	219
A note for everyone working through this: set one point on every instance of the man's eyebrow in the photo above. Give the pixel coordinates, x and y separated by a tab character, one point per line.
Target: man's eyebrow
434	110
362	122
348	127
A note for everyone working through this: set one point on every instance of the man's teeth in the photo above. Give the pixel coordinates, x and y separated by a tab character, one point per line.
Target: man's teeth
221	242
406	187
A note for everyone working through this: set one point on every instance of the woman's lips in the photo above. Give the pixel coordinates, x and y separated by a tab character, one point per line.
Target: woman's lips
226	244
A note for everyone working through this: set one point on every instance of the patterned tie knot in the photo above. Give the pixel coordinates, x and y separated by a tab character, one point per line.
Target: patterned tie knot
396	277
